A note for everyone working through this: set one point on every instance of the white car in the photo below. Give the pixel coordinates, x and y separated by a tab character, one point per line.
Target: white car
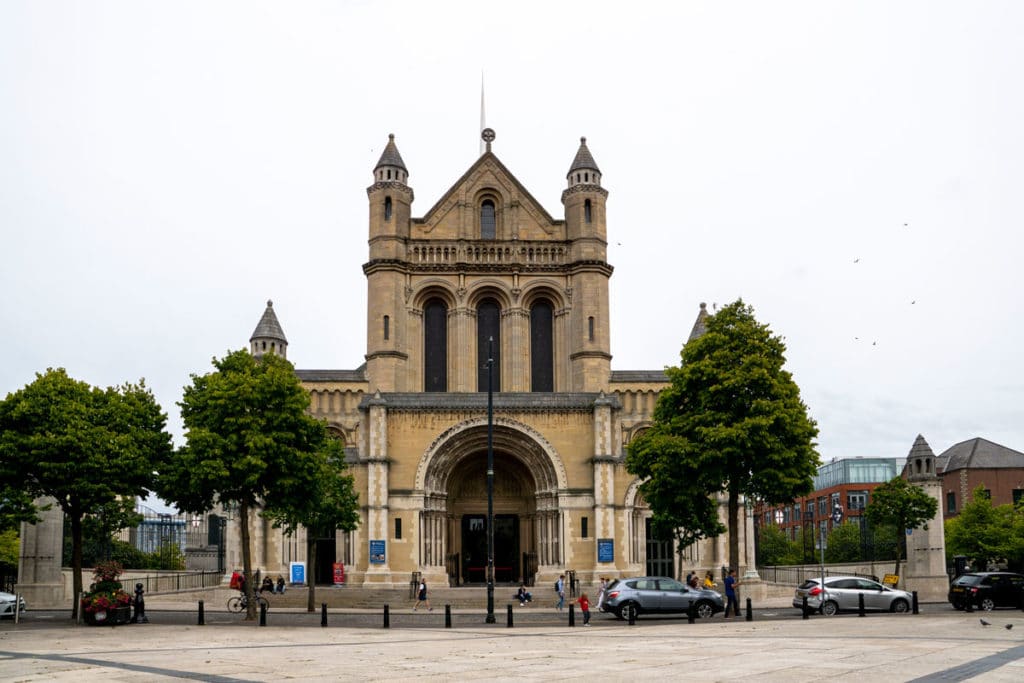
7	605
843	593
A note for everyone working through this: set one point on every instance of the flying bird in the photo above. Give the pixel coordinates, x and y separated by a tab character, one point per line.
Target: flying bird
913	302
1009	626
856	260
874	343
984	623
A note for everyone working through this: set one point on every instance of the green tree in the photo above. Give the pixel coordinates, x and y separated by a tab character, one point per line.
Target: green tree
900	505
730	420
16	506
249	442
86	447
331	504
844	543
986	533
774	547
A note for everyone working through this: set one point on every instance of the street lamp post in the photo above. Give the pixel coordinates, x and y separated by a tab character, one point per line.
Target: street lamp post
490	481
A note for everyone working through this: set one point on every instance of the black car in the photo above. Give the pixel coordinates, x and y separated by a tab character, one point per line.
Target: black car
987	590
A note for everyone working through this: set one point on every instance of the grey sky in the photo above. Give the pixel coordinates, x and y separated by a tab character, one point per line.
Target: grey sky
851	169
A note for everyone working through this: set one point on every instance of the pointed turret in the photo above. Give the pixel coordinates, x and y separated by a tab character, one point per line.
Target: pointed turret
584	170
268	335
700	324
390	167
921	461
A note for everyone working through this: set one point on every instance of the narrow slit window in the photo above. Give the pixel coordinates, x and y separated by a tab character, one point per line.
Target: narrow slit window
387	327
387	208
398	527
585	528
590	328
587	213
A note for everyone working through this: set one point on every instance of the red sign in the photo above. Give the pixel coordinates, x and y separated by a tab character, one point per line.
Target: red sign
339	573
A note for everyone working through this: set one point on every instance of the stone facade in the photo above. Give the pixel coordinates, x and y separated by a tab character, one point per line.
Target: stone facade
488	273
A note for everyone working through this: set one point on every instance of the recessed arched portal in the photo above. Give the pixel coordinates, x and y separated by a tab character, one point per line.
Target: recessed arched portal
527	524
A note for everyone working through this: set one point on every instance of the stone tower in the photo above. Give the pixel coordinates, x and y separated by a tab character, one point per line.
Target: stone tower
926	547
268	337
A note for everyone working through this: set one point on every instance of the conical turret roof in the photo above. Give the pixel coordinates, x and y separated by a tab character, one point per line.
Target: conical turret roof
269	327
699	325
391	157
584	159
920	449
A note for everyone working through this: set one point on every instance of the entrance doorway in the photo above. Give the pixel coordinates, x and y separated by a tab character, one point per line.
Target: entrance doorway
659	554
506	548
323	572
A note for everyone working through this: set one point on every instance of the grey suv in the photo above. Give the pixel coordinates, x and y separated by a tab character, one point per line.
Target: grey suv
842	593
658	595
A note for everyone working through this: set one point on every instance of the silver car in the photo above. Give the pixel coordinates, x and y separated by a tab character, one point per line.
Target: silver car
842	594
658	595
7	604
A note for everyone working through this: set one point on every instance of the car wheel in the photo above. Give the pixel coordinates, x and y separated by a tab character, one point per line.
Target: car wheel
830	609
629	608
957	605
704	609
899	606
987	604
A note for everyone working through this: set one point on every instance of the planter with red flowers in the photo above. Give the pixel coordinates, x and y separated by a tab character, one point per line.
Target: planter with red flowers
106	604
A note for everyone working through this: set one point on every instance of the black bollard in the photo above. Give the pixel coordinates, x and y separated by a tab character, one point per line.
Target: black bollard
323	614
447	616
807	614
690	616
510	616
750	610
914	606
632	614
860	604
263	614
139	617
202	614
572	615
387	616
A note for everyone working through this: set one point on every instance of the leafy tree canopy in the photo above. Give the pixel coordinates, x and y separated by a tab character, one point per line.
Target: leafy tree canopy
900	505
774	547
736	418
844	543
250	442
986	533
86	447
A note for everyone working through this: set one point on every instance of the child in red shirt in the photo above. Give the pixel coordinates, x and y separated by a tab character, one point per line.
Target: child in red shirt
584	604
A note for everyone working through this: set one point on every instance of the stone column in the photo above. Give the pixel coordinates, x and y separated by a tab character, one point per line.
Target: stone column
377	489
604	470
40	575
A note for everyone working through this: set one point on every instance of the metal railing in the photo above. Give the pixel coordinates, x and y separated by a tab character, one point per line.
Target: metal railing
172	582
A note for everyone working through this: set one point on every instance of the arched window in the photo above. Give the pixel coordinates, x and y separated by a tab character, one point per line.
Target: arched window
387	208
435	346
542	364
488	327
387	327
488	226
586	211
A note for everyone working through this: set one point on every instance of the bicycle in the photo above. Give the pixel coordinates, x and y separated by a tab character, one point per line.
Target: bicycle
237	603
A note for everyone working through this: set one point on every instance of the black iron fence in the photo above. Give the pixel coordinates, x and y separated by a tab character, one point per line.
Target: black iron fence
796	575
172	582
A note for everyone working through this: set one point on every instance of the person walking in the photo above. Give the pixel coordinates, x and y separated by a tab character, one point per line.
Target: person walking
730	594
560	589
600	593
421	597
584	604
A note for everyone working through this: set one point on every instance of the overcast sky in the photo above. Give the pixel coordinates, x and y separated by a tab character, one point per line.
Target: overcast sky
853	170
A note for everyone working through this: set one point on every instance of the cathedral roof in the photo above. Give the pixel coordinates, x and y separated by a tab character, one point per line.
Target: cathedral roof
390	156
699	325
584	159
269	327
980	453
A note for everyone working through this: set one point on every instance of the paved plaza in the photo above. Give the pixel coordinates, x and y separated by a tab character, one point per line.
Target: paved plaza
938	644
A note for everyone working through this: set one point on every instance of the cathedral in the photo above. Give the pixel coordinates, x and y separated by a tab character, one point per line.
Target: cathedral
486	294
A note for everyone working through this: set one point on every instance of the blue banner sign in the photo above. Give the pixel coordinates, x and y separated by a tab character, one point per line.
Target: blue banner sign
377	552
606	550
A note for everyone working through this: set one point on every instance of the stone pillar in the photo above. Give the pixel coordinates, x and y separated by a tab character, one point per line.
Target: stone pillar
604	471
926	547
377	489
40	575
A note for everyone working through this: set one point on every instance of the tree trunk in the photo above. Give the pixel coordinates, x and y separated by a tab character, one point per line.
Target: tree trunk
250	589
76	562
310	570
734	529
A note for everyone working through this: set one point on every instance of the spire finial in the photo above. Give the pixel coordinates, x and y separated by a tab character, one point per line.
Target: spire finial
488	135
270	303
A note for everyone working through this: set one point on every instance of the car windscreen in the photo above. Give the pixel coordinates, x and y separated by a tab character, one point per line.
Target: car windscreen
969	580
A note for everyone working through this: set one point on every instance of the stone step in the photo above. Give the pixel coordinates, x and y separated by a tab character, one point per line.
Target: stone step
373	598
